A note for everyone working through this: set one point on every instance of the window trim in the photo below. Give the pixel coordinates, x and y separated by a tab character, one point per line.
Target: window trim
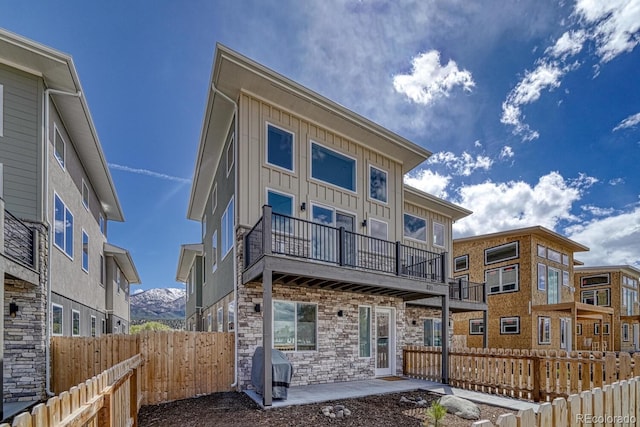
444	234
214	252
369	308
502	326
220	319
85	234
542	251
624	333
66	209
596	328
293	148
517	255
455	266
413	239
478	322
231	310
558	272
231	146
543	276
544	322
62	162
85	186
552	252
595	296
502	291
579	329
355	168
54	305
284	194
608	282
295	324
73	313
433	321
214	197
93	326
386	195
606	328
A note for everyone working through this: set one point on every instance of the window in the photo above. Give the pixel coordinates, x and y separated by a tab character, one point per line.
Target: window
625	332
75	323
544	330
332	167
596	329
226	228
192	279
565	259
364	331
214	251
1	110
93	326
230	155
542	251
579	329
461	263
117	276
596	297
553	294
101	269
102	224
214	197
438	234
563	333
209	322
433	332
509	325
501	253
220	319
85	195
295	326
281	204
503	279
415	228
104	326
542	277
56	319
553	255
231	314
58	146
605	329
63	226
379	230
377	184
85	251
279	147
323	238
476	327
602	279
565	278
204	225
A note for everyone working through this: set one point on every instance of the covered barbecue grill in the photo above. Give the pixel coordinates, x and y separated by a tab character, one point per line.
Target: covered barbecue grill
282	372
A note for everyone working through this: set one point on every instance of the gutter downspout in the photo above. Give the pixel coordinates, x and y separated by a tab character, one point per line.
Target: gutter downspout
235	222
45	178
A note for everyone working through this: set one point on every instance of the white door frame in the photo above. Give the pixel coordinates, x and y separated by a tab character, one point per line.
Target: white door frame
391	340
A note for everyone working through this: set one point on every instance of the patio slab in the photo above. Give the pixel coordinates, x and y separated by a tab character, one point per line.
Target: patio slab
316	393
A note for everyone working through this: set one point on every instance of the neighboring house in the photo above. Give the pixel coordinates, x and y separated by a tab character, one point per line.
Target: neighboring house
61	276
613	286
190	267
311	243
528	274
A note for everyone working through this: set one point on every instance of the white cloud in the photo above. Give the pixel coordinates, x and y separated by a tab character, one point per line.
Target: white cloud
429	80
569	44
429	182
506	152
614	25
613	240
464	165
629	122
616	181
517	204
597	211
477	143
150	173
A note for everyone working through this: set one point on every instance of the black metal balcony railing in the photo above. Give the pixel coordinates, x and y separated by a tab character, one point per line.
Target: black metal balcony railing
300	238
18	240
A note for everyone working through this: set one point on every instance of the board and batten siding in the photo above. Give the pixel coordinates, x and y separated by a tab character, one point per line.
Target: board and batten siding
21	141
254	115
430	217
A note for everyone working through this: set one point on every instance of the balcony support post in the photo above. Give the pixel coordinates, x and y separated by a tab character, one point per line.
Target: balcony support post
443	267
444	338
267	335
485	329
267	218
341	245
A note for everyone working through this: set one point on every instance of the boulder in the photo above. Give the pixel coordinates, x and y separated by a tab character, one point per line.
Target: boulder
460	407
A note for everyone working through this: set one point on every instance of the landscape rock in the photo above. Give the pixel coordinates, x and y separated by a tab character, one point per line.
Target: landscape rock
460	407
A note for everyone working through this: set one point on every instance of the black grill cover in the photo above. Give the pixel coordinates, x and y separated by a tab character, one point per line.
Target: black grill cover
282	372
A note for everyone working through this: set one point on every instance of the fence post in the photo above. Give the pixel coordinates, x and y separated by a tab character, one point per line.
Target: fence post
398	259
535	372
133	397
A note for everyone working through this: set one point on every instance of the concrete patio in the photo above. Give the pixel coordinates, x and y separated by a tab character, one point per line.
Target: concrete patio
316	393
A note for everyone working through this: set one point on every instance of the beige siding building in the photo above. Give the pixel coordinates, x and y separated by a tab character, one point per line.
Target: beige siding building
531	304
311	243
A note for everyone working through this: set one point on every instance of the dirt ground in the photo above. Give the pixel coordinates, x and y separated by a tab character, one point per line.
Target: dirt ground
237	409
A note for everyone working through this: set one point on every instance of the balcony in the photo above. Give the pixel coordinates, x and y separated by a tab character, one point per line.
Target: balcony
18	240
324	245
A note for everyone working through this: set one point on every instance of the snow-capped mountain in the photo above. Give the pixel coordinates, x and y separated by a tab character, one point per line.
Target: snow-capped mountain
158	303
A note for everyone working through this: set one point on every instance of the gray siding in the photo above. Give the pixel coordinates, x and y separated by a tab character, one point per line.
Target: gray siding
194	300
20	145
68	305
220	283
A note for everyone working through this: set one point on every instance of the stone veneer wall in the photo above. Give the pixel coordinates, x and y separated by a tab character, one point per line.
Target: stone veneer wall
25	335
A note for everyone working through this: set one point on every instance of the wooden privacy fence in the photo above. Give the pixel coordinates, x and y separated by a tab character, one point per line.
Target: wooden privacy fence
175	364
111	398
616	404
535	375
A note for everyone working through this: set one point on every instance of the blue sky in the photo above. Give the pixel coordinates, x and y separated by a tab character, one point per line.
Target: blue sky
531	108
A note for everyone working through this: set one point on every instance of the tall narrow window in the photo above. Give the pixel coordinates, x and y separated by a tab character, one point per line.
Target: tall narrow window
542	277
433	332
544	330
323	238
102	224
438	234
333	167
56	319
231	314
85	195
227	230
214	197
75	323
230	155
364	328
101	269
220	319
279	147
93	326
58	147
214	251
377	184
85	251
63	226
553	294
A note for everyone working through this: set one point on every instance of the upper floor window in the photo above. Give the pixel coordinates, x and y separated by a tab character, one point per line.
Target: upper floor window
565	278
501	253
204	226
85	251
600	279
230	155
542	251
279	147
553	281
461	263
333	167
102	224
378	229
553	255
542	277
596	297
227	229
58	146
118	278
63	226
281	204
509	325
438	234
214	197
565	259
415	228
220	319
503	279
85	195
630	281
101	269
377	184
214	252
